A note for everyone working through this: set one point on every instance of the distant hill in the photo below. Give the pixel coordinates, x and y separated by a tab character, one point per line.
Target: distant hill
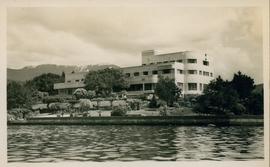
28	73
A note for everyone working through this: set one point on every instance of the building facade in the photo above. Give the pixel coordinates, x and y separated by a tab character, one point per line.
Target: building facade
191	72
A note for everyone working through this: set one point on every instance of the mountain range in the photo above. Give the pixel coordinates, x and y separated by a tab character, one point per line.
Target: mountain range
29	72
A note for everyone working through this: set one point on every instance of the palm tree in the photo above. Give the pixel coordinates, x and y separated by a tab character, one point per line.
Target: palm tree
80	93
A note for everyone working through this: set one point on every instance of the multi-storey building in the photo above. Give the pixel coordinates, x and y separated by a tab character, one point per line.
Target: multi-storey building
191	72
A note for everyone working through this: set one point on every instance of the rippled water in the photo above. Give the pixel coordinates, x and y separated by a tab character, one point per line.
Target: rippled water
131	143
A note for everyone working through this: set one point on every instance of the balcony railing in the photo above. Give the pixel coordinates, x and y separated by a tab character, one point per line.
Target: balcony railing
143	79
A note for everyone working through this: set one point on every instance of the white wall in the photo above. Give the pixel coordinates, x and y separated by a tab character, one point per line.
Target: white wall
150	59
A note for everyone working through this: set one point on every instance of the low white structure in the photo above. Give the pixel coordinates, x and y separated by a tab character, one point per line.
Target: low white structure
72	82
191	71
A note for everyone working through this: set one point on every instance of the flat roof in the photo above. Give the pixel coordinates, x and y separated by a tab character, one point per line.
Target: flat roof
163	54
149	65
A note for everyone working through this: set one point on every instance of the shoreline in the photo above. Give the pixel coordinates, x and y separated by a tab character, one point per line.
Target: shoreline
247	120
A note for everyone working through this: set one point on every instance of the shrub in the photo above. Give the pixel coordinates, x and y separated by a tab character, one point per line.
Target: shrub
119	111
161	103
51	99
91	94
153	102
176	105
238	109
255	104
163	110
144	104
135	104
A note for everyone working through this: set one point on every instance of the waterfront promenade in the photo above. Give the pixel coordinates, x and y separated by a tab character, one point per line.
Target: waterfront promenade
146	120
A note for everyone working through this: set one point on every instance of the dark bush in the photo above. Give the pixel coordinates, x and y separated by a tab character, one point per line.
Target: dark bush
119	111
153	102
238	109
135	104
255	104
52	99
176	105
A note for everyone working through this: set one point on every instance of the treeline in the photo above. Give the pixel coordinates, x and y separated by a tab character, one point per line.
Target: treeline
24	94
237	97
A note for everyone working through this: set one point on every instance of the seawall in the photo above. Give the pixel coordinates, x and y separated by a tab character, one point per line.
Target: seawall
147	120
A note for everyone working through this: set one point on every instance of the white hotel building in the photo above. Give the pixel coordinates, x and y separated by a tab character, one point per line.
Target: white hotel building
191	71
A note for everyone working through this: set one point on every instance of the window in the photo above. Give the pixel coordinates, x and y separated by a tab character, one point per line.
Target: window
206	63
192	71
82	79
206	73
165	62
135	87
145	73
172	61
192	86
180	71
159	62
180	61
151	63
70	91
147	86
166	71
69	81
143	64
136	73
200	72
192	60
211	74
127	74
155	72
200	86
77	80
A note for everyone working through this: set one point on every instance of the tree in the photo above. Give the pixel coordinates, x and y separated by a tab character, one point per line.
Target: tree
63	76
243	84
219	98
255	103
106	81
18	95
44	83
167	90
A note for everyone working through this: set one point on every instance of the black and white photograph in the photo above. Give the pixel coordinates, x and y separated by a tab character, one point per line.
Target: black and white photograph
136	83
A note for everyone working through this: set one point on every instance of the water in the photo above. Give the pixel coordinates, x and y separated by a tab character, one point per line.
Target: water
132	143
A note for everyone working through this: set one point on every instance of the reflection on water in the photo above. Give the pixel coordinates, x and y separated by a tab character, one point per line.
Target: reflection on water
131	143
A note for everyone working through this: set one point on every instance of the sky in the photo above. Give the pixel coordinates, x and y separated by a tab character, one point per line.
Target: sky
117	35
